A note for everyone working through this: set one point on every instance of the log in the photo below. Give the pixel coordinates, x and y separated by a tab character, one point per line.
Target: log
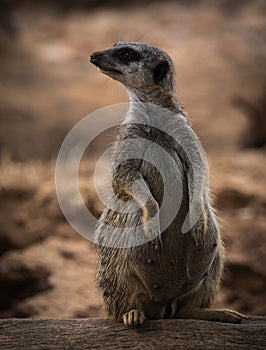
97	333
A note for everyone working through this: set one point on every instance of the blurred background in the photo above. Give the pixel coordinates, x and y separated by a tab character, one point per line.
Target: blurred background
47	85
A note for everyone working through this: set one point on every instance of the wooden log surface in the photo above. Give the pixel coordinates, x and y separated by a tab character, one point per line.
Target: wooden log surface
96	333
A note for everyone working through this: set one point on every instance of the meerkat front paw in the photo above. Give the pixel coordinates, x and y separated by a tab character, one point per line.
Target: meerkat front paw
133	317
150	220
198	232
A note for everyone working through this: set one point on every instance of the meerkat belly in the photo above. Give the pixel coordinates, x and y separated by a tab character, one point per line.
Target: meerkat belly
170	269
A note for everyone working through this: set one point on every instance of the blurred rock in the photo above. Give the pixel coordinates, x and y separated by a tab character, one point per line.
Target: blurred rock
255	112
25	224
245	288
20	278
50	279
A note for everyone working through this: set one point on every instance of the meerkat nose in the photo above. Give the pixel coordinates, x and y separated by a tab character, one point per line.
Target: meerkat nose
92	58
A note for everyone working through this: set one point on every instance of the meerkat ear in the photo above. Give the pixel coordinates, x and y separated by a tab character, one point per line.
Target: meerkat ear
160	71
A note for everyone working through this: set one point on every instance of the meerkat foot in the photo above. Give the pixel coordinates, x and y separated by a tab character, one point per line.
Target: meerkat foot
133	317
229	316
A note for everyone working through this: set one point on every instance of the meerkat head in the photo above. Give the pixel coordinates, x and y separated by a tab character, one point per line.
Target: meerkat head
138	66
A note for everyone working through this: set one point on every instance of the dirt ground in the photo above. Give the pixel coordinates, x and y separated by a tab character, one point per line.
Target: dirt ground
47	85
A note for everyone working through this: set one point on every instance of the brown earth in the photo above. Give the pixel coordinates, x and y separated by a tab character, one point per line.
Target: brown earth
47	85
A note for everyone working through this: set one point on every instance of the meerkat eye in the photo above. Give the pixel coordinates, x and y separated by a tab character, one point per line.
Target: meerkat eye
127	55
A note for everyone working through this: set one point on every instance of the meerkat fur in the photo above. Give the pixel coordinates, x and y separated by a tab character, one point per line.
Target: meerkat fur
174	274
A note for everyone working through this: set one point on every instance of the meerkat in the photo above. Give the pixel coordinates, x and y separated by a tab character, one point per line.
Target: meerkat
174	274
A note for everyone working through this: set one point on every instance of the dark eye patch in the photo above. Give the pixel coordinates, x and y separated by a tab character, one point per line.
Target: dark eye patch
127	55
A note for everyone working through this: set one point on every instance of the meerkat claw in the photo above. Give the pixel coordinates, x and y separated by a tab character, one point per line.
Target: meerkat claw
133	317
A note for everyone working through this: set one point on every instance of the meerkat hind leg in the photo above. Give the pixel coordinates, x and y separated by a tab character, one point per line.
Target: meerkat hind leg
219	315
133	317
